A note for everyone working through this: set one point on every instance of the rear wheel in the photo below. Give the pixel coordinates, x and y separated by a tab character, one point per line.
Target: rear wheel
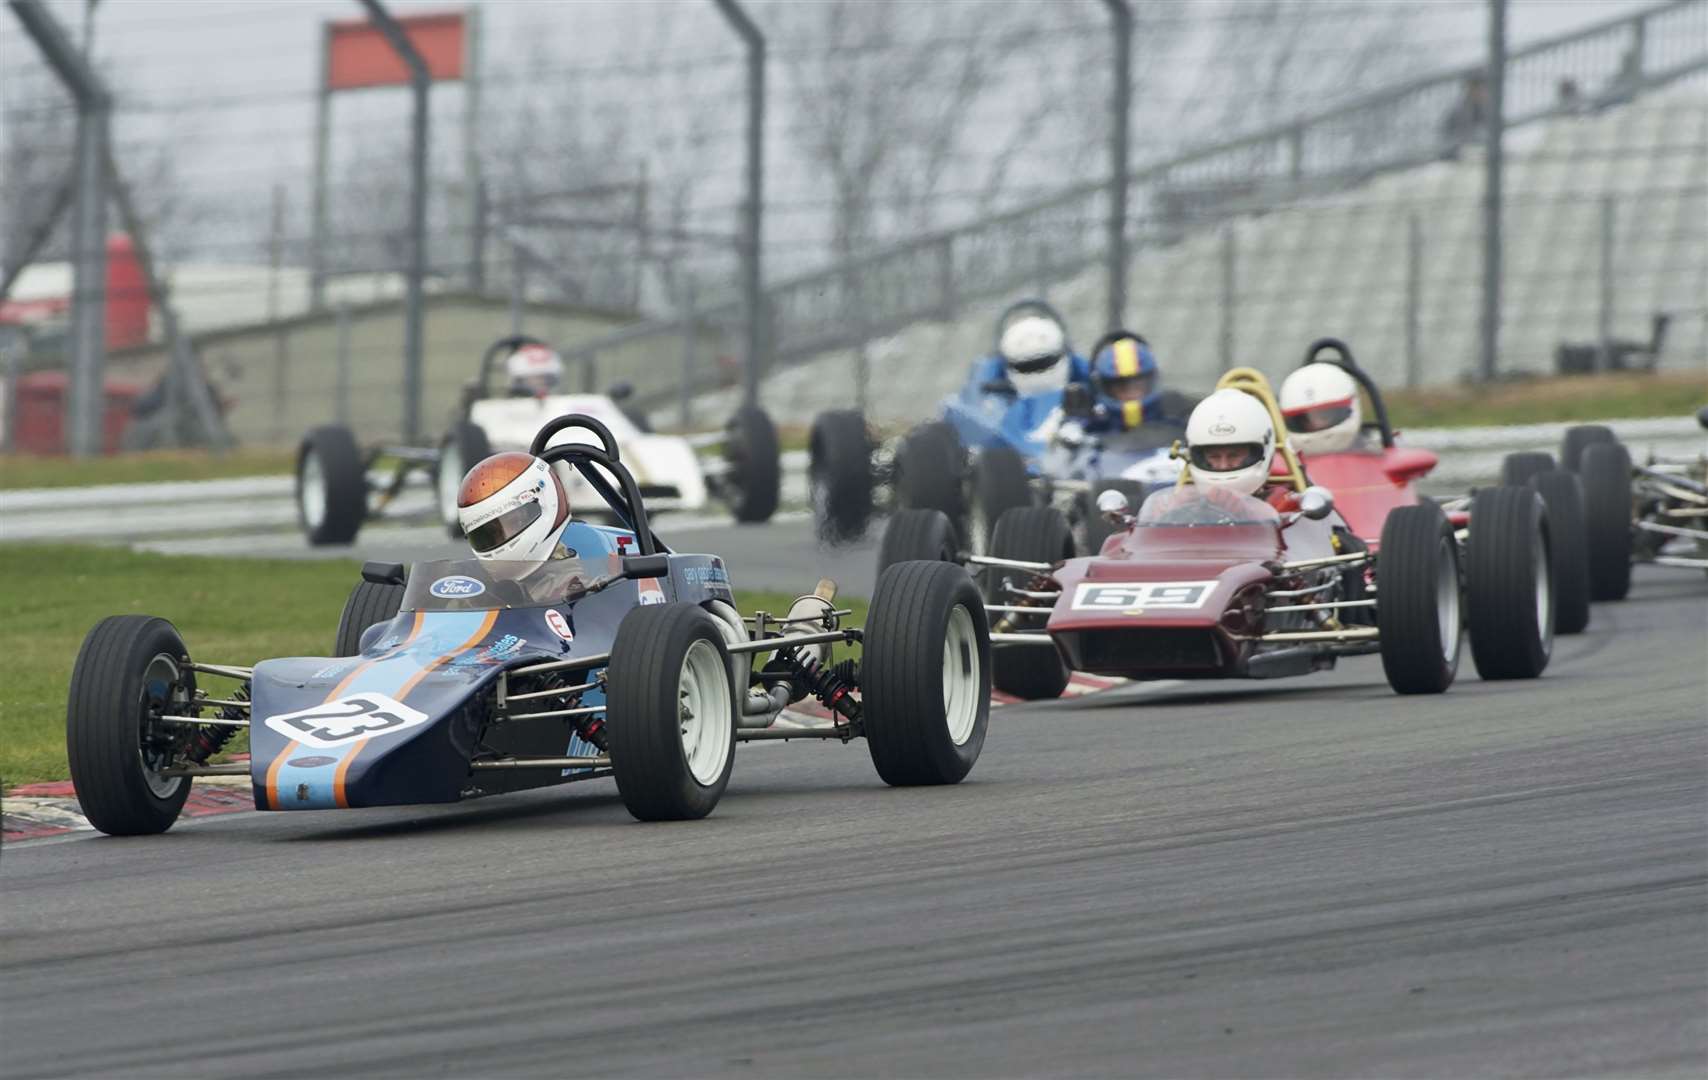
1581	438
128	673
925	674
839	474
1509	583
930	472
1030	534
369	602
1562	492
332	485
1417	607
464	448
1000	484
917	535
670	712
756	464
1605	470
1517	469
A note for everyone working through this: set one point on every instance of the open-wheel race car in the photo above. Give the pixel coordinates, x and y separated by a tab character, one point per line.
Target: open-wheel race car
337	490
458	679
1654	512
1204	583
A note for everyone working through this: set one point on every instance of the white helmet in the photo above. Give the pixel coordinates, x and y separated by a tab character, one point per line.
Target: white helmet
1319	405
534	369
1230	441
1033	344
511	507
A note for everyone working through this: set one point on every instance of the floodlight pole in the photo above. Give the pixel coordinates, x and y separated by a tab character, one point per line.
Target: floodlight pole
89	224
752	301
420	82
1121	108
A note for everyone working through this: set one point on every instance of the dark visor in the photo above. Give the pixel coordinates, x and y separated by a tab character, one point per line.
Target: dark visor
1128	387
505	527
1318	419
1249	454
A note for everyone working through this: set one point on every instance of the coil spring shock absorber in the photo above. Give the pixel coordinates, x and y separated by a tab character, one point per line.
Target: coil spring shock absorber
832	685
207	742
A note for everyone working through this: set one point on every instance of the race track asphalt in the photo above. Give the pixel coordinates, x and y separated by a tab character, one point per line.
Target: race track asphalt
1303	878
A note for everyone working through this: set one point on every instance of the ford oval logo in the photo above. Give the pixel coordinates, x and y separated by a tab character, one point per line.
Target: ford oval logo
456	587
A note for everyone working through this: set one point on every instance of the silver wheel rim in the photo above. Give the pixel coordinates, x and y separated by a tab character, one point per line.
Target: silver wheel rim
703	712
450	481
312	495
961	676
1544	590
163	669
1447	600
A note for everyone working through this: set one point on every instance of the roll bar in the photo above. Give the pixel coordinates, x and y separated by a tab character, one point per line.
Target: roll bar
587	460
1253	382
1343	360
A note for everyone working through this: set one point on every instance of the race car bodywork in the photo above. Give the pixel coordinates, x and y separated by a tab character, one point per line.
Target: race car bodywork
336	493
467	677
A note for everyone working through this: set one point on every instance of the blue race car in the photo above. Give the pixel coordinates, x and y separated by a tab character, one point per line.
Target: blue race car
454	680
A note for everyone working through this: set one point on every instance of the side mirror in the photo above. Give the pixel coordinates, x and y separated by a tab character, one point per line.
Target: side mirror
384	573
1316	503
1114	507
636	567
621	391
1076	400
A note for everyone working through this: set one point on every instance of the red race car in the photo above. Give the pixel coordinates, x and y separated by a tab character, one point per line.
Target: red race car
1206	584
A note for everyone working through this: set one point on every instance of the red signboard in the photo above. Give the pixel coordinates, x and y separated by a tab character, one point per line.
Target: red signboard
358	55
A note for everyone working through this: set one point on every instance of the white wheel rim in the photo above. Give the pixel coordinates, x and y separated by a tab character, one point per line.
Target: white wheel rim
1544	590
961	676
162	667
703	712
1447	600
312	497
450	481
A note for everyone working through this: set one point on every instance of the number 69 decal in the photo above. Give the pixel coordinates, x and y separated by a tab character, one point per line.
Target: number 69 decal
358	716
1149	595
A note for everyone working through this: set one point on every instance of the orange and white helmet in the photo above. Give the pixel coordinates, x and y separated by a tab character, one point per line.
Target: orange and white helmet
534	369
1319	404
511	507
1230	441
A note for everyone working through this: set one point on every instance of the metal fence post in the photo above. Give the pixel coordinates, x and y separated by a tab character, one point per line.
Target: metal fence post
1604	320
1229	289
318	213
1120	120
1494	127
341	384
753	207
1414	295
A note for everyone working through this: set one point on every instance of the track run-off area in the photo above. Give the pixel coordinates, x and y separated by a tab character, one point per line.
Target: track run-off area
1302	877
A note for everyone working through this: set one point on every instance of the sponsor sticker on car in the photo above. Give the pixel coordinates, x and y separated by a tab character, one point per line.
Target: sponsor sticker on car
335	723
1137	597
558	624
651	592
456	587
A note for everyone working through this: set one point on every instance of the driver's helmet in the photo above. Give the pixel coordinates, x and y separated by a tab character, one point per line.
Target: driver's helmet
1230	441
1032	345
1319	405
1124	376
534	370
511	507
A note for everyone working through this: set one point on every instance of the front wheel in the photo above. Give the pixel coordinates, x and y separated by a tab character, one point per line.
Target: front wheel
1417	610
930	472
369	603
839	474
755	464
331	486
1605	469
925	674
1000	484
670	708
128	674
1562	492
1029	534
1509	583
917	535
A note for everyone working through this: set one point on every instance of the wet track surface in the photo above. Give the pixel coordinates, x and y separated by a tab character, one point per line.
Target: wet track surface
1305	877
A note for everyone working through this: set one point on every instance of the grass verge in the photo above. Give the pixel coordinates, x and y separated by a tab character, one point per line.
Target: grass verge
228	609
1565	399
151	466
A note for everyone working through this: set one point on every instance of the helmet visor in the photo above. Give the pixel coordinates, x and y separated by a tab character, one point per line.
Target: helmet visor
1226	457
1319	419
505	527
1129	387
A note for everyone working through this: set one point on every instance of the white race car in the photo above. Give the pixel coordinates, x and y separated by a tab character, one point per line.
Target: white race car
338	487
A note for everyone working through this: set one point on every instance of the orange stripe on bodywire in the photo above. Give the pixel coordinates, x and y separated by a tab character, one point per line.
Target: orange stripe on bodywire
474	639
1126	357
344	684
273	774
338	795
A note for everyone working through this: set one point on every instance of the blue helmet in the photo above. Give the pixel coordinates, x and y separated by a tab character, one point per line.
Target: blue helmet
1125	377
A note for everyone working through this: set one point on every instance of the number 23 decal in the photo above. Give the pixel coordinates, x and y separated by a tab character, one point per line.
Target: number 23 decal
358	716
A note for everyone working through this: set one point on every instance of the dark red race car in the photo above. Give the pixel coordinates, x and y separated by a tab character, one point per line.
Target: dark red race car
1202	585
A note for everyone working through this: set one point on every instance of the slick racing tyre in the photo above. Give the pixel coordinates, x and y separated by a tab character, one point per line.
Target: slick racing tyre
331	486
839	475
930	472
1605	470
1562	492
465	447
128	673
756	464
1418	612
1517	469
1030	534
917	536
1094	526
1578	439
925	674
1000	484
1509	583
670	711
368	604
